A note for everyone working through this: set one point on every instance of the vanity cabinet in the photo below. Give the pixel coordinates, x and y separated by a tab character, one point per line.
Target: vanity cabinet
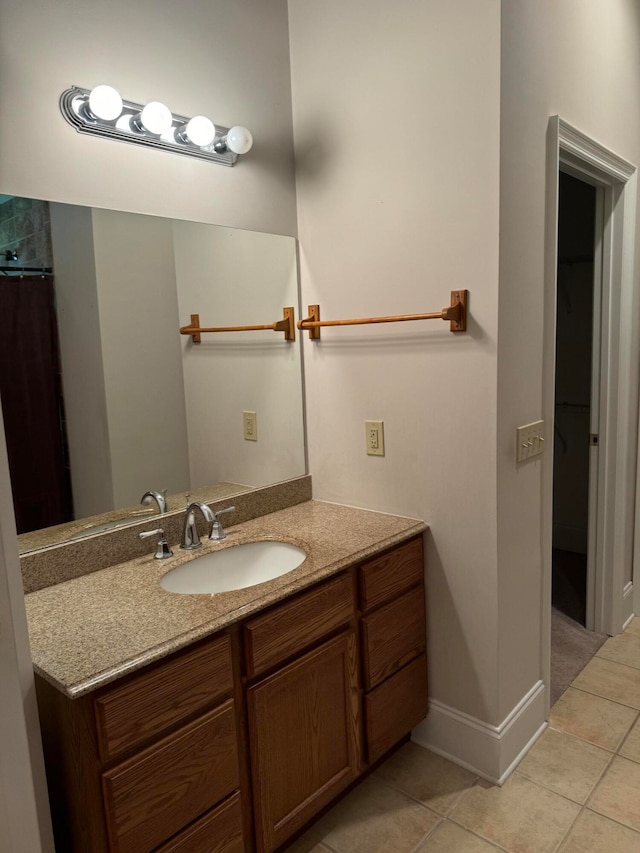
152	759
237	742
304	717
393	646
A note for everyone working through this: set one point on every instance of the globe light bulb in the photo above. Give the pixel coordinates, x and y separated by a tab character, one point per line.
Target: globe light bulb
156	118
199	130
239	140
105	103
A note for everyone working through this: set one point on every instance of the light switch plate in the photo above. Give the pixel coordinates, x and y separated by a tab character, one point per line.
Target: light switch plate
529	441
250	424
374	437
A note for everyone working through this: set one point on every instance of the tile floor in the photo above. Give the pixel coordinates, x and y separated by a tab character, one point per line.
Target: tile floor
576	791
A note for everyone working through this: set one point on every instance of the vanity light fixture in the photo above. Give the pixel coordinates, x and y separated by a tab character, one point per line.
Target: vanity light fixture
102	111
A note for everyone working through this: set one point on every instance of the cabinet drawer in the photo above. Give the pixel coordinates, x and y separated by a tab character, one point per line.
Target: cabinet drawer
387	576
219	831
395	707
291	627
156	699
392	636
152	796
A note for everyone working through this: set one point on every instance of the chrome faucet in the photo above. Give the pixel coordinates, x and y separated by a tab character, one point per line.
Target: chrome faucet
217	532
160	499
190	538
162	548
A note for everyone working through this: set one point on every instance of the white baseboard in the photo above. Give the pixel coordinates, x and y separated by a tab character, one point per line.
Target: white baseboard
628	609
491	752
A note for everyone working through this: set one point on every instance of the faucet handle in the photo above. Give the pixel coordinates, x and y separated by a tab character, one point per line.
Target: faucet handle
221	511
162	549
217	531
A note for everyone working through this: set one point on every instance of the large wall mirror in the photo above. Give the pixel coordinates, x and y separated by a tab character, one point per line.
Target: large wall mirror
103	399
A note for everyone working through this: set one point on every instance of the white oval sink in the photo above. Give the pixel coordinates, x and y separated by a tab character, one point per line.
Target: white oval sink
237	567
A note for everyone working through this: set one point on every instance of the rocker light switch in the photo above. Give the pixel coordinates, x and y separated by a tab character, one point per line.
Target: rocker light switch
529	441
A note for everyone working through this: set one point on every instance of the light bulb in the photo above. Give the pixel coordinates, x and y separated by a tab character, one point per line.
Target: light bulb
156	118
105	103
199	130
239	140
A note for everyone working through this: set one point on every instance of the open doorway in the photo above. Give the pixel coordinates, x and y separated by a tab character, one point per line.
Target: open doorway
575	431
574	356
613	577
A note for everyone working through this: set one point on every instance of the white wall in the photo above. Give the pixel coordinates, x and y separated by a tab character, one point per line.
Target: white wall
24	820
396	125
81	358
238	278
144	385
579	59
227	60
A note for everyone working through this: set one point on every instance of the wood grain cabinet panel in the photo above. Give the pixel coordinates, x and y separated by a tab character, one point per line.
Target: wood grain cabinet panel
392	636
289	628
304	729
152	796
219	831
395	707
149	703
385	577
155	763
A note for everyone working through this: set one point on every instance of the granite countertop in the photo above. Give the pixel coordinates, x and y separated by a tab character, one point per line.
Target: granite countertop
86	632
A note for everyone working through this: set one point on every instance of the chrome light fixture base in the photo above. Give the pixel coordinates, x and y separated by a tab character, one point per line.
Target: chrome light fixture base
74	105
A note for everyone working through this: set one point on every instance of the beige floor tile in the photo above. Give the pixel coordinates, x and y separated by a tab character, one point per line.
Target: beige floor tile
564	764
631	747
451	838
427	777
374	818
520	816
306	845
625	648
600	721
633	627
617	795
610	680
596	834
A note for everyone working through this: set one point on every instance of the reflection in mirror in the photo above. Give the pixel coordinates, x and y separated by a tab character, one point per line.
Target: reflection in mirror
103	399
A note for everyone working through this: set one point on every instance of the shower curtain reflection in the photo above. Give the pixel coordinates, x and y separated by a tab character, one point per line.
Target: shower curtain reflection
32	404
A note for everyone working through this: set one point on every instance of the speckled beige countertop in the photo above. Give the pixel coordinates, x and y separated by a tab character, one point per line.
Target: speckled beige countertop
88	631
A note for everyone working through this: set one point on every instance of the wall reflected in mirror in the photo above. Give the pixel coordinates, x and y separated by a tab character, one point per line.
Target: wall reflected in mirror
102	397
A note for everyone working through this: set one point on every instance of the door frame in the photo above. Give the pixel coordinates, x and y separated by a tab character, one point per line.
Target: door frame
576	153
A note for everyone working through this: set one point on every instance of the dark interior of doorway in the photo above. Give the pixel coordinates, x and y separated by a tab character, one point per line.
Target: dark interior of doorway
572	645
574	333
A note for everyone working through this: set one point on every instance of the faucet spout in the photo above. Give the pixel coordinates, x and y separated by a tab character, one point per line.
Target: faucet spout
190	537
159	497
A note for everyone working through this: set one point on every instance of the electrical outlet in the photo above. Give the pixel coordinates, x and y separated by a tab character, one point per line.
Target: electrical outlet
529	441
250	423
374	437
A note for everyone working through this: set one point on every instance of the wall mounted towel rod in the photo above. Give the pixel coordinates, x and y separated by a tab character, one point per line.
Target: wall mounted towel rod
286	325
456	314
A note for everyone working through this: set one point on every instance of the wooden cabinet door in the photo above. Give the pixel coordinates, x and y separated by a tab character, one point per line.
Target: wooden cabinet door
304	728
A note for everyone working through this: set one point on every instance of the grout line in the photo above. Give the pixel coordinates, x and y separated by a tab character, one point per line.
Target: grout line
608	698
612	819
584	740
427	836
411	797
